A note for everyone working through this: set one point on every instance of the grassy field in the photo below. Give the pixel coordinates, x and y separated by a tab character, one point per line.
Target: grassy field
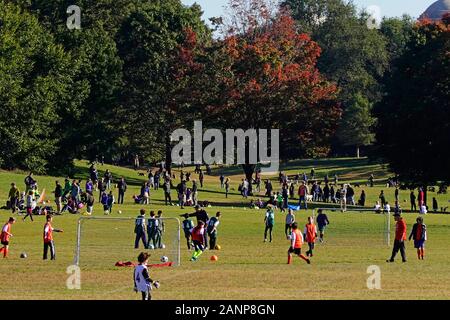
247	268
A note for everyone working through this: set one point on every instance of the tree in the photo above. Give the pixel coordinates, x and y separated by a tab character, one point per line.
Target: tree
149	45
353	56
356	127
413	131
263	75
37	88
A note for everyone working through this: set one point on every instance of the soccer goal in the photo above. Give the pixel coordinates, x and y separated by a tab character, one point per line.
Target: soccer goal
373	228
103	241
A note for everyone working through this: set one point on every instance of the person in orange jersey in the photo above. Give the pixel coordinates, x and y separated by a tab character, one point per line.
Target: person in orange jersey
296	244
5	235
48	238
400	237
310	234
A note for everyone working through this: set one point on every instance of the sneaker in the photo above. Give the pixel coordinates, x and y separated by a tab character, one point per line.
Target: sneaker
389	260
265	240
308	261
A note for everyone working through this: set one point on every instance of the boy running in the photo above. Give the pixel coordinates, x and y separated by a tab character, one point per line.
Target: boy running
5	235
142	281
48	238
188	225
296	244
197	234
419	234
310	233
322	222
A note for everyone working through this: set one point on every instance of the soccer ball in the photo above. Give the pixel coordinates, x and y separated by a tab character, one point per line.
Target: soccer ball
23	255
151	247
163	246
214	258
119	212
217	247
164	259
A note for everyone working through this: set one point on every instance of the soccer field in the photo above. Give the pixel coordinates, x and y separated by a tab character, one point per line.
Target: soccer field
247	267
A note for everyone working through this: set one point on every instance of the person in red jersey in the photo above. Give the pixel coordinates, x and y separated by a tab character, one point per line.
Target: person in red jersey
310	233
419	234
5	235
198	239
296	244
400	237
48	238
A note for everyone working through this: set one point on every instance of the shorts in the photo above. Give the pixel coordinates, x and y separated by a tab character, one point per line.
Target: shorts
297	251
311	245
322	228
419	244
29	211
198	245
5	243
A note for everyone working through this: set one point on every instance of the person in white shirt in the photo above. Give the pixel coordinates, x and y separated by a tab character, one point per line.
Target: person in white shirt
30	205
142	281
290	219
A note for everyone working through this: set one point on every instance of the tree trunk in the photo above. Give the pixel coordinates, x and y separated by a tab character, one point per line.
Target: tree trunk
249	169
357	152
168	156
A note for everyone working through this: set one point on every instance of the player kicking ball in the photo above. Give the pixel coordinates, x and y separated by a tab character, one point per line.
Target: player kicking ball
197	234
296	244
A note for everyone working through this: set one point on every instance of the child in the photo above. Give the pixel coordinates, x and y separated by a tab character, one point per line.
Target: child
280	201
322	222
139	230
197	234
269	221
290	219
5	235
187	227
296	244
227	187
160	230
104	202
152	229
31	204
419	234
110	201
142	281
48	238
310	233
213	223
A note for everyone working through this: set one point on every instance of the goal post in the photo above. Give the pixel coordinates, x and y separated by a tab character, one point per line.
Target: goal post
111	239
385	216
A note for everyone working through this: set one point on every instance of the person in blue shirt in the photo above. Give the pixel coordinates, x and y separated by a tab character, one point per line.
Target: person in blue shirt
187	227
322	222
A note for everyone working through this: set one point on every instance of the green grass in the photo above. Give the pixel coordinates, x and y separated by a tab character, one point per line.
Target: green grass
247	268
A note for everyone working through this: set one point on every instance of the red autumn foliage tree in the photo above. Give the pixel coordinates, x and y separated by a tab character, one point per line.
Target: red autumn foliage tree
263	75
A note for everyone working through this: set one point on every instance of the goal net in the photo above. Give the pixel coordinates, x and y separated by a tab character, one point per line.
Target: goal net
103	241
358	227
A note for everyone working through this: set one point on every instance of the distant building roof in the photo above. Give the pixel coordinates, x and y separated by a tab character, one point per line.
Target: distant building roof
437	10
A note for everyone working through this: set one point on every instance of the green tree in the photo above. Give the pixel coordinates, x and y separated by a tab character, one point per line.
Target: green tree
356	127
413	131
149	44
36	89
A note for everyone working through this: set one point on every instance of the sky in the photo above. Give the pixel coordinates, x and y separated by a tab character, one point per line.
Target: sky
388	8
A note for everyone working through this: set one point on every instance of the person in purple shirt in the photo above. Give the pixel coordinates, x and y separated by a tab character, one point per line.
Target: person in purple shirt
89	187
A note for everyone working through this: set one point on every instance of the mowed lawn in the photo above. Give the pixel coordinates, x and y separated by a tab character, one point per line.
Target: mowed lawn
247	267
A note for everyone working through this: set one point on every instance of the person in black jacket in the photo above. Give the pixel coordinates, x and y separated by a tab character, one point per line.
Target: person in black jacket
58	197
122	186
201	215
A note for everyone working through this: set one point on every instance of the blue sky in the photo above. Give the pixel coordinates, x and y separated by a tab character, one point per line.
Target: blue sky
389	8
